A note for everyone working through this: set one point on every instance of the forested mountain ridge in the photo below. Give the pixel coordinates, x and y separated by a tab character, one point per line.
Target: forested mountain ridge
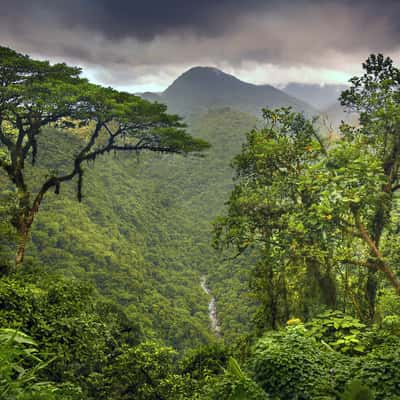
201	88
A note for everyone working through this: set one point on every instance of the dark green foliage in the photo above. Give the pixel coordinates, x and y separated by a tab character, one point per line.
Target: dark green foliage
229	388
233	385
141	234
380	370
7	234
266	214
20	368
201	365
290	365
344	333
145	372
355	390
61	315
205	361
93	345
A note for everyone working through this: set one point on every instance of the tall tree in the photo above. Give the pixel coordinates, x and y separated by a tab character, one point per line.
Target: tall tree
35	95
376	97
322	216
267	213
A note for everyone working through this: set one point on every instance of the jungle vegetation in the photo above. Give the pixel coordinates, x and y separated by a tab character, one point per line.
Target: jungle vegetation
103	300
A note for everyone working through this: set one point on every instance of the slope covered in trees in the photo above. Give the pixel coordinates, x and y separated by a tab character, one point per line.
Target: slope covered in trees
107	303
142	233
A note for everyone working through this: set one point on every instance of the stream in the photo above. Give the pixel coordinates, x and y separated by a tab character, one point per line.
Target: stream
212	308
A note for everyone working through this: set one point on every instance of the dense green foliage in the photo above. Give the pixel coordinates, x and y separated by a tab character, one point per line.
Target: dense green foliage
20	367
343	332
35	95
290	365
322	216
297	363
233	385
108	304
142	231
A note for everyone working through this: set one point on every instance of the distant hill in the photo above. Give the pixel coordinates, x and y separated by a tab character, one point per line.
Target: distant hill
320	97
325	98
203	88
336	114
151	96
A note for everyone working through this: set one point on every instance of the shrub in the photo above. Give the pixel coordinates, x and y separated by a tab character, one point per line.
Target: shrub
380	370
290	365
20	367
355	390
342	332
233	385
144	372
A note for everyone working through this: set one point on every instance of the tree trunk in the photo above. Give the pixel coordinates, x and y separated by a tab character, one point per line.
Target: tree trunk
286	312
371	288
22	240
272	302
381	264
25	220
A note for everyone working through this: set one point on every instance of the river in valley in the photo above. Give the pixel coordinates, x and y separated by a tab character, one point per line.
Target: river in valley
212	308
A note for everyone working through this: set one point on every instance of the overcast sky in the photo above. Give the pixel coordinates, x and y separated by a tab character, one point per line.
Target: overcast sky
143	45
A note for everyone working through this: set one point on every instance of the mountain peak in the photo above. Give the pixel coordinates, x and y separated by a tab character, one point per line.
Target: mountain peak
203	76
203	70
203	87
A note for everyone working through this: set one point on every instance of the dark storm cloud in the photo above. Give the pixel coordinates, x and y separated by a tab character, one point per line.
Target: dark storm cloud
121	36
118	19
